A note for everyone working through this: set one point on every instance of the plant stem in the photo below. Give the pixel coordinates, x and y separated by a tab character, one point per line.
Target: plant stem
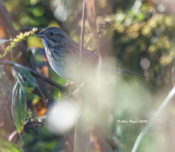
36	74
153	119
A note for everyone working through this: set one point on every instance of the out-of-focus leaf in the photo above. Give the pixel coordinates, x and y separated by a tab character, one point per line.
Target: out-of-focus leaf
25	78
19	106
6	146
39	107
63	9
41	60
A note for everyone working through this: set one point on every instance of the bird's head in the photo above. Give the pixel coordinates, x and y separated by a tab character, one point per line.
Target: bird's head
53	36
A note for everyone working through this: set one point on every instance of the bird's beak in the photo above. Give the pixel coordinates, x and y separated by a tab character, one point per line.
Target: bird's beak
40	34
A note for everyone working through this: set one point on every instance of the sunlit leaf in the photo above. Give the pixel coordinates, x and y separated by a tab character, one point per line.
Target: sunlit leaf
19	106
6	146
25	78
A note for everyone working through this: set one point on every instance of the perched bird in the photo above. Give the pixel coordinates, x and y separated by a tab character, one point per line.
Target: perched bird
63	54
62	51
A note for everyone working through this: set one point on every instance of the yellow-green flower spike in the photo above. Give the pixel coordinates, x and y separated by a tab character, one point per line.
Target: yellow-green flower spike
16	40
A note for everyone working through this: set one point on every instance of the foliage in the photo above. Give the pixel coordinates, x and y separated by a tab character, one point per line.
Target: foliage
19	106
15	41
25	84
142	41
6	146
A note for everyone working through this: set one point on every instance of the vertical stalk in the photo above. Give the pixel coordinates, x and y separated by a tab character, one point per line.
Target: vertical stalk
152	121
80	59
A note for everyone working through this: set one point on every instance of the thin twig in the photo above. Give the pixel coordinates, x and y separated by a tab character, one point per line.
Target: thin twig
53	83
152	121
75	148
172	75
36	74
82	33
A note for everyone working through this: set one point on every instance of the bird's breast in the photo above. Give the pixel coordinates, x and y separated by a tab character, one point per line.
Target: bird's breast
55	61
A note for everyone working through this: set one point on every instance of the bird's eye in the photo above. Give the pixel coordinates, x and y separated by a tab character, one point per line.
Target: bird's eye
51	33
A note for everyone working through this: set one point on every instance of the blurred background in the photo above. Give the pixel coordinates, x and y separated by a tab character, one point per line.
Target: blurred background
140	35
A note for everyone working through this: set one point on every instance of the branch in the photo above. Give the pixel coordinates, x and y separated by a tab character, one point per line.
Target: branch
75	147
36	74
7	20
91	15
82	32
152	121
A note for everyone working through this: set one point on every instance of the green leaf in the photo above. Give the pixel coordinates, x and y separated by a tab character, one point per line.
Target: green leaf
25	78
19	106
6	146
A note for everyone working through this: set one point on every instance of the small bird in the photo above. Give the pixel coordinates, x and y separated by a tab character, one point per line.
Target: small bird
63	54
62	51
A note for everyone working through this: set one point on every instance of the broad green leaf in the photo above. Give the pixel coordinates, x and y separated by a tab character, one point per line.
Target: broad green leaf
6	146
19	106
25	78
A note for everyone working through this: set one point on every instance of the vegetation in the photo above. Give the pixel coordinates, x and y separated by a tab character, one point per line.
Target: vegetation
138	36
